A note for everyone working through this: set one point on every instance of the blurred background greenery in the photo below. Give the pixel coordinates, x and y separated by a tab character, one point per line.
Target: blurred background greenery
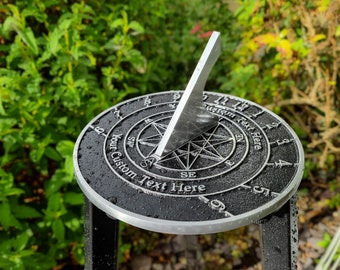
62	62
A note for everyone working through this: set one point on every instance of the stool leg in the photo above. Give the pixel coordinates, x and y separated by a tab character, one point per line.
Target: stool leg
101	239
279	238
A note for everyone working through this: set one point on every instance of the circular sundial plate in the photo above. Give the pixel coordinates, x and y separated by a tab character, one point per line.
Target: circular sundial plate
238	172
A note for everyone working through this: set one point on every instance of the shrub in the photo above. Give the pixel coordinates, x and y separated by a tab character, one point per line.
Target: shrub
288	59
63	62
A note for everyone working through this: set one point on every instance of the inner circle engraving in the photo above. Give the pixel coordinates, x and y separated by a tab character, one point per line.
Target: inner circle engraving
208	164
221	145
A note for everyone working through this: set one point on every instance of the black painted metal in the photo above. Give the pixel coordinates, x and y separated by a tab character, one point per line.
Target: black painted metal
101	239
279	238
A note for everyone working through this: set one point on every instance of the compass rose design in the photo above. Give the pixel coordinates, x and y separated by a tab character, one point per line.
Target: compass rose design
207	149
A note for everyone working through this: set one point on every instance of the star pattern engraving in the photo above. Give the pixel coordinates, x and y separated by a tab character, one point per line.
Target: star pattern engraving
208	148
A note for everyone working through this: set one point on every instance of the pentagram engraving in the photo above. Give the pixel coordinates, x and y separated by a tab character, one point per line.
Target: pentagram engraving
207	149
238	171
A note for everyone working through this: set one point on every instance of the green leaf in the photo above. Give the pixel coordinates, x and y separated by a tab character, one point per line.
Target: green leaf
136	59
29	39
52	154
39	148
325	241
30	118
24	211
137	27
20	242
4	262
7	219
33	11
65	22
9	25
14	10
116	23
54	203
11	141
6	180
57	181
73	198
12	191
2	109
6	123
74	224
65	148
68	168
58	230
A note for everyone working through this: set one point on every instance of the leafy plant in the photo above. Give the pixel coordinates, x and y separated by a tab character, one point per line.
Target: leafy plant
288	59
63	62
51	60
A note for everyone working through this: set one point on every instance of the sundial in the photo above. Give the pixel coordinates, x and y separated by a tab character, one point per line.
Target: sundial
189	162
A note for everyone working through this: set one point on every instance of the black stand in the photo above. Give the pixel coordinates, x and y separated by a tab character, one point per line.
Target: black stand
279	238
101	239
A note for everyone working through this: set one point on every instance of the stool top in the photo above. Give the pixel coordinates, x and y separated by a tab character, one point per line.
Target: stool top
189	162
239	171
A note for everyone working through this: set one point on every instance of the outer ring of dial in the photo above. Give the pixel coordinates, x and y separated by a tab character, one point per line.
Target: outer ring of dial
187	227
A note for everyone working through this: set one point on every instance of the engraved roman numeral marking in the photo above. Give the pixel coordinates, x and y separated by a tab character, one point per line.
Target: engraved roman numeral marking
147	101
282	163
221	101
117	114
281	142
241	106
272	125
255	115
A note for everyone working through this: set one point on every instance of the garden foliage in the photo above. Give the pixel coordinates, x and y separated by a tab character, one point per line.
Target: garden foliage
290	51
62	62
